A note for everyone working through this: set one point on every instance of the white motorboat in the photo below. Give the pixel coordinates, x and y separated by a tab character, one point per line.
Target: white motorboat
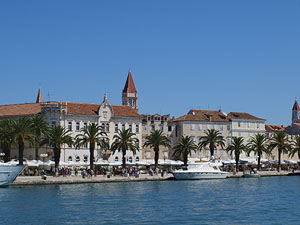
9	173
199	171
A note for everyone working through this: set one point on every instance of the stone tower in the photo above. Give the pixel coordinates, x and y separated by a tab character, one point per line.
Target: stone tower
129	93
39	98
296	113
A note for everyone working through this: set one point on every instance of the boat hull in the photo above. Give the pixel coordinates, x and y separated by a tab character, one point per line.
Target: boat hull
251	175
199	175
8	174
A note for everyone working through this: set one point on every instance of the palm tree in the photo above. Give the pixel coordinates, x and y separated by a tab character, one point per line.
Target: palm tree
56	137
6	138
237	146
22	132
296	147
40	127
123	141
184	148
212	139
92	135
258	145
280	141
154	140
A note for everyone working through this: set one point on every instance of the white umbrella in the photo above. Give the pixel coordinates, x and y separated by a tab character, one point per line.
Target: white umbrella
32	163
115	163
142	163
102	162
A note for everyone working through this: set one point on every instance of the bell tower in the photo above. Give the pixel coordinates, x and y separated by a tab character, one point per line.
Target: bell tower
129	93
296	113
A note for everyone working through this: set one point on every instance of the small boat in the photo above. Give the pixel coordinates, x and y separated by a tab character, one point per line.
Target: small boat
199	171
9	173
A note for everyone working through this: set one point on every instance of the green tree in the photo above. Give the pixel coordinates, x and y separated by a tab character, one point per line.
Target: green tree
237	146
295	147
6	138
154	140
258	145
56	137
280	141
92	135
124	140
184	148
39	127
212	139
22	132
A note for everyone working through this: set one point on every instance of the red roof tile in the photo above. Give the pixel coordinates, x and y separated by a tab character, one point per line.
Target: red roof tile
242	116
273	128
20	109
129	86
203	115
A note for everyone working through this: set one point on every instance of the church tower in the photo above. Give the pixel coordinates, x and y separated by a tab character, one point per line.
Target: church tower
296	113
39	98
129	93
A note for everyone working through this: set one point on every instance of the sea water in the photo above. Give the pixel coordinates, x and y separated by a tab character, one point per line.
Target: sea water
270	200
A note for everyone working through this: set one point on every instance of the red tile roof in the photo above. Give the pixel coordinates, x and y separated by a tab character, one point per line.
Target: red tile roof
242	116
72	108
203	115
296	106
129	85
20	109
273	128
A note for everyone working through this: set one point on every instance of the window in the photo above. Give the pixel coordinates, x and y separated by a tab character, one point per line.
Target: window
221	127
123	126
207	126
130	159
152	127
144	128
228	140
165	153
215	126
70	159
77	159
193	154
85	125
137	159
169	128
77	126
148	154
103	126
137	129
116	128
199	126
85	159
107	127
116	159
239	134
161	128
192	127
239	124
130	127
248	124
53	123
193	138
228	127
70	125
257	125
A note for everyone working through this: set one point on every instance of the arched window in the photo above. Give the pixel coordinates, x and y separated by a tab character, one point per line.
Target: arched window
70	159
130	127
85	159
137	159
123	126
103	126
116	159
77	159
130	159
107	127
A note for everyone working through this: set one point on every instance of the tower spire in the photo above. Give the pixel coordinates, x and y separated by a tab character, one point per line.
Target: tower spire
39	98
129	93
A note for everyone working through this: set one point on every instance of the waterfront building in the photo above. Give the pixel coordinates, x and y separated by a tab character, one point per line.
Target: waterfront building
236	124
74	116
151	123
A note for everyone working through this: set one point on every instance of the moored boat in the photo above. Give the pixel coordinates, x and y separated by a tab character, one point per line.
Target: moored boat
199	171
9	173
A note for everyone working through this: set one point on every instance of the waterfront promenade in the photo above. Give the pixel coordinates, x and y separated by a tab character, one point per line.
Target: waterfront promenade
37	180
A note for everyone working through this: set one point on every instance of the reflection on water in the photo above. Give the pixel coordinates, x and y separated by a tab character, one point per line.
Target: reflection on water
231	201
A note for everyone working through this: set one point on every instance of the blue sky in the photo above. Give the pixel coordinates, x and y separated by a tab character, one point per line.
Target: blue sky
238	55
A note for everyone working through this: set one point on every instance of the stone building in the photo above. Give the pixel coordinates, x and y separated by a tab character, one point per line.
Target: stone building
74	116
237	124
151	123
